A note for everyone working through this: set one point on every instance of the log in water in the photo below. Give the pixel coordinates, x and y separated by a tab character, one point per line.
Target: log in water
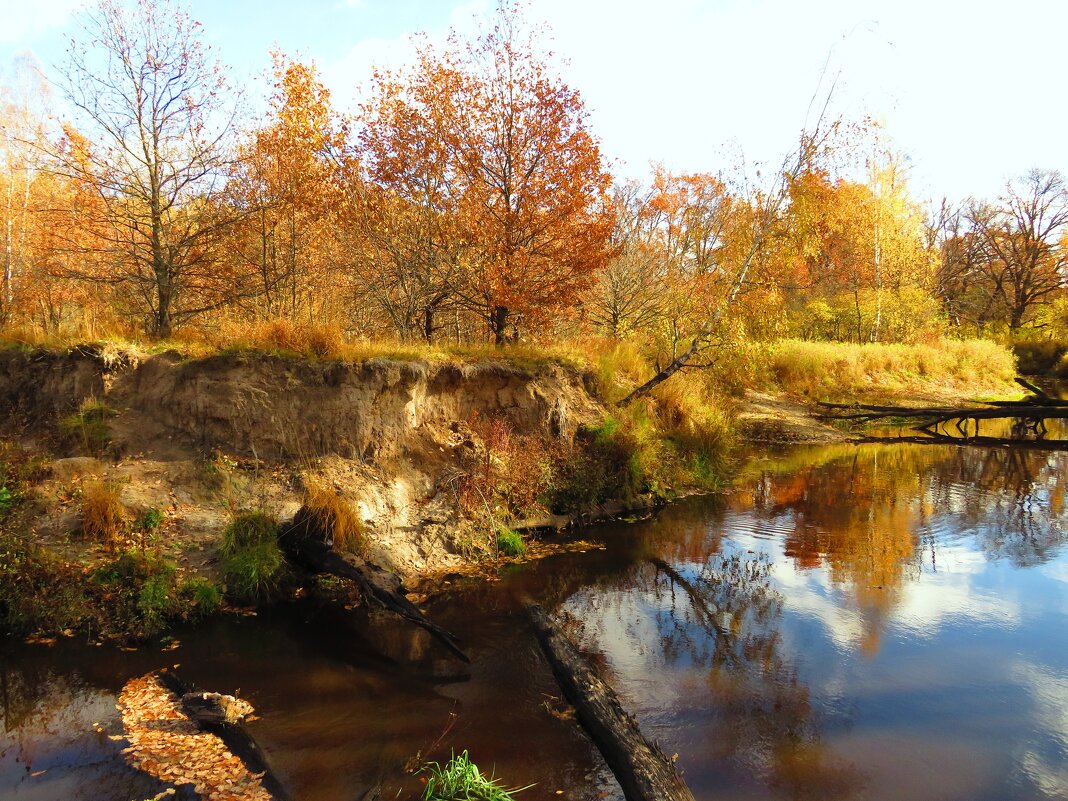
640	767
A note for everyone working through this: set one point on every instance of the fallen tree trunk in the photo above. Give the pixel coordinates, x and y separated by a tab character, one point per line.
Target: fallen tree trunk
1031	413
376	584
640	767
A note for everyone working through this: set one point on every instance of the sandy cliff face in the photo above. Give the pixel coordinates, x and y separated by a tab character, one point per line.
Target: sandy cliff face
385	434
376	412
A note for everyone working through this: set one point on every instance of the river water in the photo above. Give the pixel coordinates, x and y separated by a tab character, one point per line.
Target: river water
847	622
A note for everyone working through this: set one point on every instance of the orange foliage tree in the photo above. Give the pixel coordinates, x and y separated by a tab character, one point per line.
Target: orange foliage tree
489	137
286	192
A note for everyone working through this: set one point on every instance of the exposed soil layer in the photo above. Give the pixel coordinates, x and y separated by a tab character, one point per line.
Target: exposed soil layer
203	438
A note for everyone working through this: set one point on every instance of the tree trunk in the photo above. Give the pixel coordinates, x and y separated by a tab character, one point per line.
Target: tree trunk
641	768
499	325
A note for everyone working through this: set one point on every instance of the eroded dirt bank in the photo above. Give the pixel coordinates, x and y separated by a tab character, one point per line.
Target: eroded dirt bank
203	438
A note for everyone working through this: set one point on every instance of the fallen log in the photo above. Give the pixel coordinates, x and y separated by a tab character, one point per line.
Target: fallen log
305	550
1031	414
640	767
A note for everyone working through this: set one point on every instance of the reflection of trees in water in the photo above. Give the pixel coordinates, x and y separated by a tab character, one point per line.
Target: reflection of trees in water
874	515
1011	500
727	618
48	726
725	621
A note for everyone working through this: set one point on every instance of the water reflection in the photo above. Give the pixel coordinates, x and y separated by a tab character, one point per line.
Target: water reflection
873	622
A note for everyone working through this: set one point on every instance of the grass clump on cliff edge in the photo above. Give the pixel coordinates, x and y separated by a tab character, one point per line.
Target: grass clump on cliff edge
460	780
333	517
251	558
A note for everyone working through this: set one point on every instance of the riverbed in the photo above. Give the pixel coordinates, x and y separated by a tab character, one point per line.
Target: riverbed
881	621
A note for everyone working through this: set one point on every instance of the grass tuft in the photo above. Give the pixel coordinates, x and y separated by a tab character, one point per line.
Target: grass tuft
510	543
460	780
103	516
332	515
251	558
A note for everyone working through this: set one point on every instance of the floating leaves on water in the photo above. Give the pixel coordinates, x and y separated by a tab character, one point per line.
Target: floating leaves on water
166	744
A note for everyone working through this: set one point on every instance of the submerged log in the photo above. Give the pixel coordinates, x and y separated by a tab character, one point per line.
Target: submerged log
305	550
640	767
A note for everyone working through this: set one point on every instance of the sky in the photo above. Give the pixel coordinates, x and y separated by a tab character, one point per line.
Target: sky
970	91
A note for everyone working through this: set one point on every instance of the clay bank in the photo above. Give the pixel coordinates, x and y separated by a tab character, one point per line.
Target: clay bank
203	439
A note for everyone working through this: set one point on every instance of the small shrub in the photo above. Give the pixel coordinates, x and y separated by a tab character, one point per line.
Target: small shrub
460	780
251	558
103	516
200	598
510	543
37	590
89	426
7	500
138	592
333	516
149	520
605	462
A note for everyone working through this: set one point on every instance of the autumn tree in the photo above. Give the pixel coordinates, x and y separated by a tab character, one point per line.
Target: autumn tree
156	112
629	295
495	196
407	203
534	189
1023	261
285	187
21	131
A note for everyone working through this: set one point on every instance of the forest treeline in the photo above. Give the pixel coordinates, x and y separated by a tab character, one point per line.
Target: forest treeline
467	199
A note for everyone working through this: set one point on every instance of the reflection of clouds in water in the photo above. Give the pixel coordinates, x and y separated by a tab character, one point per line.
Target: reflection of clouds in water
951	599
810	594
1044	759
1058	571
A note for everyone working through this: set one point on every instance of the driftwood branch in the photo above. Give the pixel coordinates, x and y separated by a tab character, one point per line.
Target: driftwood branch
1032	412
377	585
642	769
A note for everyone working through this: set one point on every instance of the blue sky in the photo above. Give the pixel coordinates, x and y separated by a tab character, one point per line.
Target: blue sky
971	91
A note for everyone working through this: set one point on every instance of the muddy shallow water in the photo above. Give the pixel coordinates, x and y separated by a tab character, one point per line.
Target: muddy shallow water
849	622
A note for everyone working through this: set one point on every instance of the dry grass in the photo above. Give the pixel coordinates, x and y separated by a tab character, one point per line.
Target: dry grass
103	517
333	515
818	369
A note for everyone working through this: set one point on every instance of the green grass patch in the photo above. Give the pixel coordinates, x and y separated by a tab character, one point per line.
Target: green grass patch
201	598
460	780
510	543
139	592
251	559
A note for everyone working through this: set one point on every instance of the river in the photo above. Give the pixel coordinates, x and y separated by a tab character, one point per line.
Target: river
847	622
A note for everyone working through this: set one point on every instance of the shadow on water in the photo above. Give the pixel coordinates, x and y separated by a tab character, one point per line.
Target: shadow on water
880	621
